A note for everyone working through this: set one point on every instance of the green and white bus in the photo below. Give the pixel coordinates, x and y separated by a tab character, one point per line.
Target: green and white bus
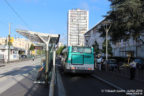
78	59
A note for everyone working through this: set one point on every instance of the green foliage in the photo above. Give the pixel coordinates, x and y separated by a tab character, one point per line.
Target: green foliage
59	51
96	47
43	51
32	47
104	48
39	52
10	43
127	19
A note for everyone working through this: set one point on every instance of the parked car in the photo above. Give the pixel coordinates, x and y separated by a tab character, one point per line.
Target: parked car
139	63
112	64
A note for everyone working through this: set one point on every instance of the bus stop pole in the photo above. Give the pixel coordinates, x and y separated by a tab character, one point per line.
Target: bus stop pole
47	56
52	84
47	60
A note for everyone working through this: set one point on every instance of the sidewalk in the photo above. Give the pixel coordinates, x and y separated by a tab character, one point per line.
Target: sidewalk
2	64
13	62
18	65
121	81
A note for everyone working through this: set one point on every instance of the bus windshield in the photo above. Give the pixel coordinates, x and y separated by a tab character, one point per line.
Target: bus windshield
82	49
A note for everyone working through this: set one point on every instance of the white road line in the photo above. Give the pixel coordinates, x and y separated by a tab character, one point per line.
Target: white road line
109	83
9	81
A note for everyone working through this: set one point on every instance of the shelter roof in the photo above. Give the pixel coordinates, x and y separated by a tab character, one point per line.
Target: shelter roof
39	37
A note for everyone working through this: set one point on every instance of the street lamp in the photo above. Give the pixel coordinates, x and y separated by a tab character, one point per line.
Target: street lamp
107	27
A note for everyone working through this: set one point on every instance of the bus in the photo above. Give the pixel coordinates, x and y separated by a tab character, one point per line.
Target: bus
78	59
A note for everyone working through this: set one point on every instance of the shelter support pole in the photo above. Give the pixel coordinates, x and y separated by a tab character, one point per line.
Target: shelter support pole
47	60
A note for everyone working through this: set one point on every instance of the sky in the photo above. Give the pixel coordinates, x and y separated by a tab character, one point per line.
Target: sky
46	16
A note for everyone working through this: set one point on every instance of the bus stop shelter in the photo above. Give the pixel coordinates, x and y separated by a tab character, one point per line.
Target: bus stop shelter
50	41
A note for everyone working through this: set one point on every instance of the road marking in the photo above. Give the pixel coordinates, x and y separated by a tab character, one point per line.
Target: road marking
109	83
9	81
3	79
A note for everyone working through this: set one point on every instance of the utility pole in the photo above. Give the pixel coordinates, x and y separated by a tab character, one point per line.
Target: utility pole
107	28
106	45
9	42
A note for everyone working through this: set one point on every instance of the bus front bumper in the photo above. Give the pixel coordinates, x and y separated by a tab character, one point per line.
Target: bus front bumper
79	71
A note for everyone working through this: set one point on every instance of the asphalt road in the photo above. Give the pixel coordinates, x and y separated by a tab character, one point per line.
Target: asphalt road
26	87
18	80
74	84
85	85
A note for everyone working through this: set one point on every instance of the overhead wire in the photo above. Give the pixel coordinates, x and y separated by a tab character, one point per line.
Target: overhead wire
17	14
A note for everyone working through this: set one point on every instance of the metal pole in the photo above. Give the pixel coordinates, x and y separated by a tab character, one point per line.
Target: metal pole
51	92
47	60
106	45
9	42
54	55
106	30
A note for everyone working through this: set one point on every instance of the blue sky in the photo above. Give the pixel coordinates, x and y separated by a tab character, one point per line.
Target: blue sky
47	16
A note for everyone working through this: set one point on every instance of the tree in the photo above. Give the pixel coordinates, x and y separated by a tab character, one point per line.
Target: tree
60	49
32	47
96	47
7	42
104	48
127	19
39	52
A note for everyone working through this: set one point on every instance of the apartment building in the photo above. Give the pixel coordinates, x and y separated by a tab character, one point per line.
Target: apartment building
18	42
78	21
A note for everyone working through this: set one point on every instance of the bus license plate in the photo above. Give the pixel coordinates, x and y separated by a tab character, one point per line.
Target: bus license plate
81	68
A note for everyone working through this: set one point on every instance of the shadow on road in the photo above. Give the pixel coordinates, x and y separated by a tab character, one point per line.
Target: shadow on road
19	71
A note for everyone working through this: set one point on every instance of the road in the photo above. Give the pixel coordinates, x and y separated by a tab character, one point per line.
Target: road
16	79
85	85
